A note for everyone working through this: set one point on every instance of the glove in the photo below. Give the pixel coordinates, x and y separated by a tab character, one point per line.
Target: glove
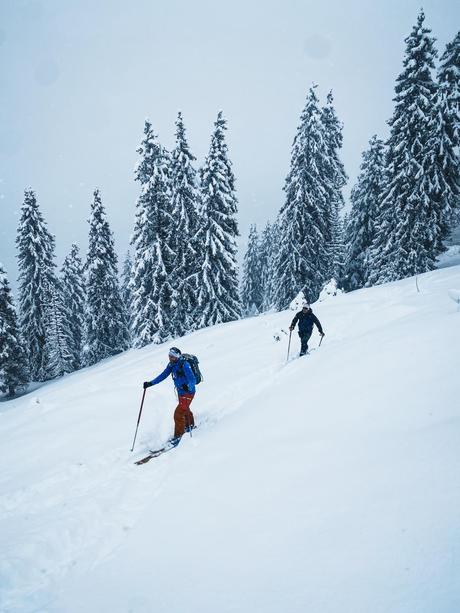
185	387
322	333
147	384
291	328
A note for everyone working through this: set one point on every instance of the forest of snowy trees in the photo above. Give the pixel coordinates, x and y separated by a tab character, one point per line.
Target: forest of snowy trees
180	273
404	205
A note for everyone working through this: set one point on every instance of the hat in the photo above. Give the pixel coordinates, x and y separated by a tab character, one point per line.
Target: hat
174	352
305	305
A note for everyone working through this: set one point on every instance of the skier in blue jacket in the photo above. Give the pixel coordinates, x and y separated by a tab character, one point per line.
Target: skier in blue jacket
184	380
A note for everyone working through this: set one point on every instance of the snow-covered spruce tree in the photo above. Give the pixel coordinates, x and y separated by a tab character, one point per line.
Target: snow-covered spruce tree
106	326
366	197
443	172
303	253
251	286
153	260
446	137
449	75
269	241
337	248
265	262
13	364
217	279
59	335
186	216
36	277
335	179
125	286
73	293
408	232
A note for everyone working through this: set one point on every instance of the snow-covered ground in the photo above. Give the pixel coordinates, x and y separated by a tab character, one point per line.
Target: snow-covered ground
329	484
450	258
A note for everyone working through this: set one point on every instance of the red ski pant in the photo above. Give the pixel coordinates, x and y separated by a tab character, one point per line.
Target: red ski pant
183	416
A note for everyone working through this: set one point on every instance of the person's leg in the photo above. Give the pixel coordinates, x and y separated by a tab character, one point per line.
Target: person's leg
304	343
183	416
189	418
179	421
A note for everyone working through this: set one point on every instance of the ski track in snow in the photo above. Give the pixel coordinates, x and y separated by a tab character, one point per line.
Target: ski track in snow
109	489
70	492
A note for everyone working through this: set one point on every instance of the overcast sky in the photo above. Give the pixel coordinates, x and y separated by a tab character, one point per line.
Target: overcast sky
78	78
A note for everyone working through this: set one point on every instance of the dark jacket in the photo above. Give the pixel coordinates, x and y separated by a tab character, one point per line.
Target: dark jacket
306	321
182	374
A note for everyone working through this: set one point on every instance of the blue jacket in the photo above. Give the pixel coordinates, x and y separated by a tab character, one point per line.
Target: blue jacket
182	374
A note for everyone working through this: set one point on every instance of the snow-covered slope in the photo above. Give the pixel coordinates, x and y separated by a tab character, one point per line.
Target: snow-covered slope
329	484
450	258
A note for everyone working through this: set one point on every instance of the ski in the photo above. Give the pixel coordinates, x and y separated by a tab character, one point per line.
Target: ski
157	452
297	357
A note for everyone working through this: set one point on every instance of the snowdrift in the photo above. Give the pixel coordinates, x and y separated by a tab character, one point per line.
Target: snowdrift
327	484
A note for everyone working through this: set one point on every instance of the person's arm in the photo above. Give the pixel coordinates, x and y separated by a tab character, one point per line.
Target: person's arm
188	373
318	325
161	377
294	321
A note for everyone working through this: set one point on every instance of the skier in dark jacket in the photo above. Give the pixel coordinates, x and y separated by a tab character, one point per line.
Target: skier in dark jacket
306	319
184	380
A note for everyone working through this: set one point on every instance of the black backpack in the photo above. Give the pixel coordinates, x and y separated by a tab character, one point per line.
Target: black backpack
193	362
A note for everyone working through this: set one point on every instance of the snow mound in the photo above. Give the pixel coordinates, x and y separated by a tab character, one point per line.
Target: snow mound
298	302
330	290
450	258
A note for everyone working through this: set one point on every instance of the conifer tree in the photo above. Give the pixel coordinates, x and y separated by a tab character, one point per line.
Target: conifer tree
36	278
443	172
59	335
73	293
449	77
366	197
217	279
267	258
408	232
153	261
251	287
125	286
185	207
337	248
265	263
13	365
303	255
335	179
445	143
106	326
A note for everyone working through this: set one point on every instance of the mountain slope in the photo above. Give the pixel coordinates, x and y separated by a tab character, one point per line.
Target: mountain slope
326	484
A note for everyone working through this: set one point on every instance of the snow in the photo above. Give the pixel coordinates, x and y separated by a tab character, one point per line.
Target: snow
450	258
298	302
330	290
328	484
455	295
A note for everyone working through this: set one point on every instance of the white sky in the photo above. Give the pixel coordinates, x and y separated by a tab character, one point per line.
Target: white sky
79	77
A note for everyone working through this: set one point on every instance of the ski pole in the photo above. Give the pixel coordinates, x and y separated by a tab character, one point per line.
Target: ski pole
289	346
321	340
138	419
